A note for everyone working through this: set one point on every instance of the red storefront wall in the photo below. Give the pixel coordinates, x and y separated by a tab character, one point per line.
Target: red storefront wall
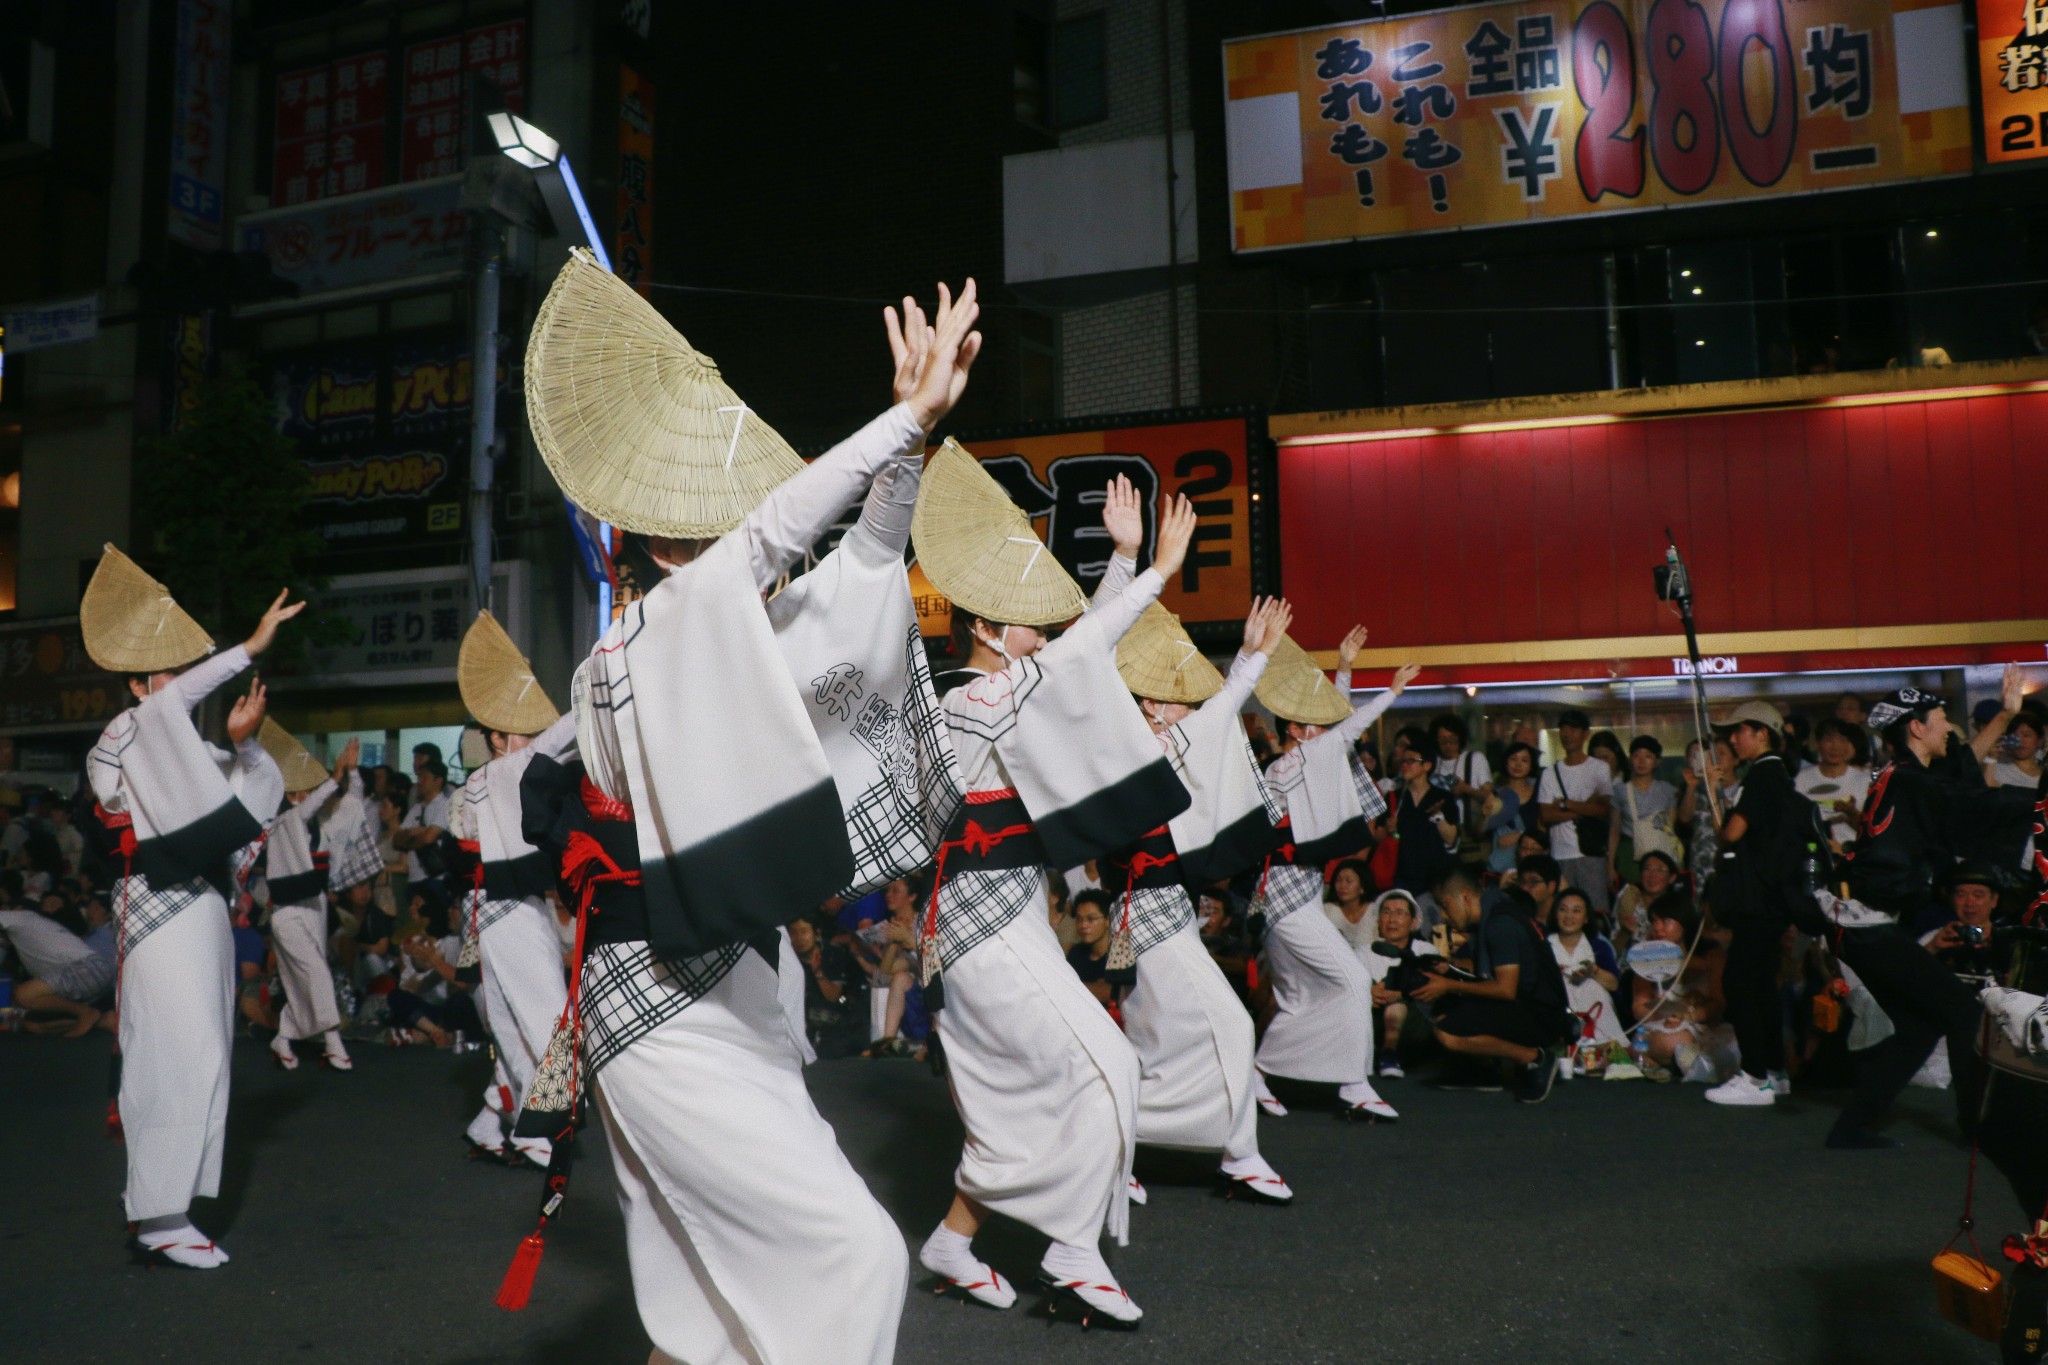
1503	554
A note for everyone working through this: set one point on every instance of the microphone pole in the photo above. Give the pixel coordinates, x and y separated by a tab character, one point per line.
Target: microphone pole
1674	584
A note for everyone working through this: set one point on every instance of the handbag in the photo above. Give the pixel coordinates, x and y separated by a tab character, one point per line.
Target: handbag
1647	836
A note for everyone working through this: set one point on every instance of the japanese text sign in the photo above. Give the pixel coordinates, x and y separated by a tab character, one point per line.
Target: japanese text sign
329	129
633	247
1059	481
2012	76
435	137
47	682
402	232
1524	112
199	118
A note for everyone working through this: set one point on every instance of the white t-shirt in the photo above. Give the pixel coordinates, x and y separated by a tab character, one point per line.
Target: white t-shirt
1587	779
71	847
425	815
1469	767
43	945
1360	935
2012	775
1823	791
424	981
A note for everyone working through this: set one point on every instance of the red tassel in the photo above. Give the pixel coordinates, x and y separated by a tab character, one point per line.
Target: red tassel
1251	973
114	1130
518	1285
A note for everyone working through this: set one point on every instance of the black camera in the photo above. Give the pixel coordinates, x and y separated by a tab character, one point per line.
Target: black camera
1409	973
1974	935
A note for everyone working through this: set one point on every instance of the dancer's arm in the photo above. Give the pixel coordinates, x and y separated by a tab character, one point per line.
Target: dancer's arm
204	678
1263	631
1105	624
1123	518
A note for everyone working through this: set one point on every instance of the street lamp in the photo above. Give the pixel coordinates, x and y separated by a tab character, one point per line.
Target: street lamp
541	154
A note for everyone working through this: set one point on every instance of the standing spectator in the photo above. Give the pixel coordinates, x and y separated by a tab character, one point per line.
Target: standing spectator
1591	970
1511	809
1644	810
1576	798
1424	818
1460	769
425	822
1767	808
1849	708
2019	764
1840	780
1696	810
1369	759
1606	746
1797	751
1089	957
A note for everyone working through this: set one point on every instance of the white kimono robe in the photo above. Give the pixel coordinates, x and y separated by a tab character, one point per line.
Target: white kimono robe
751	1239
177	981
1322	1022
298	929
1193	1037
1046	1084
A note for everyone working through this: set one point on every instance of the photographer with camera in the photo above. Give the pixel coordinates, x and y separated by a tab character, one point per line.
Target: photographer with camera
1514	1006
1395	962
1964	944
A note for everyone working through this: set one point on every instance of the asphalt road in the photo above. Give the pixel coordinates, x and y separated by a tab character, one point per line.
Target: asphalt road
1624	1222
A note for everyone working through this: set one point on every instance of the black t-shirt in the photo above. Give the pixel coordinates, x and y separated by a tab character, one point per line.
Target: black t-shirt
836	965
1086	965
1768	795
1424	856
1509	936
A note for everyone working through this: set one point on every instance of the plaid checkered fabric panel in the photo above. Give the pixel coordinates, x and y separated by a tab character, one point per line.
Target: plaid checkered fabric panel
490	912
897	824
144	909
1286	890
1157	913
628	993
355	859
974	906
1369	794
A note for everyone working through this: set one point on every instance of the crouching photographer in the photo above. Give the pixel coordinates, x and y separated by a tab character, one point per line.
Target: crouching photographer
1513	1007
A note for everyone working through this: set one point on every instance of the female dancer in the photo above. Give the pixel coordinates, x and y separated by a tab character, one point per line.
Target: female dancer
297	867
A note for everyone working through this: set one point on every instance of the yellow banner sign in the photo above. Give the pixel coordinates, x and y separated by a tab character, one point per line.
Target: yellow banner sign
2012	77
1525	112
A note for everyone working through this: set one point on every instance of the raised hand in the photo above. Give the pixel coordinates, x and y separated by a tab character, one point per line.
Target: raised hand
954	345
1176	529
1348	647
266	629
2012	689
351	754
1403	675
247	713
1123	516
1279	616
910	346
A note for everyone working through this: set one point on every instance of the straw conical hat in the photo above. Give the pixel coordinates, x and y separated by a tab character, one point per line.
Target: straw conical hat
1293	688
130	623
635	424
1158	660
977	547
497	683
302	771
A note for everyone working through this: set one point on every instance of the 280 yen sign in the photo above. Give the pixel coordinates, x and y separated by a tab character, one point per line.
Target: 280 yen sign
1516	112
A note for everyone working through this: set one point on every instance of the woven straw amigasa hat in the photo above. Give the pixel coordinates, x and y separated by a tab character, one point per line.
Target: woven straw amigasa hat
1293	688
130	623
302	772
635	424
497	682
1158	660
977	547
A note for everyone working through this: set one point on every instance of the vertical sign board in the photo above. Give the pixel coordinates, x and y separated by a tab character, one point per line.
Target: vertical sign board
1550	109
633	247
328	129
1059	480
435	137
2012	78
199	116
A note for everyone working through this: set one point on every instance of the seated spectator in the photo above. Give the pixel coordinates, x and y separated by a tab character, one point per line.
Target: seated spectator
1369	759
1397	947
2018	762
1605	745
1839	781
1511	810
1057	911
902	1023
65	975
1644	809
1591	971
431	1001
1347	905
1424	817
70	842
1516	1008
1539	879
254	999
1222	934
833	1019
1089	956
1682	1021
1657	877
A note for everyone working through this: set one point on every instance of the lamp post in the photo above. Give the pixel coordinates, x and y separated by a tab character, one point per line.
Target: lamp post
527	146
